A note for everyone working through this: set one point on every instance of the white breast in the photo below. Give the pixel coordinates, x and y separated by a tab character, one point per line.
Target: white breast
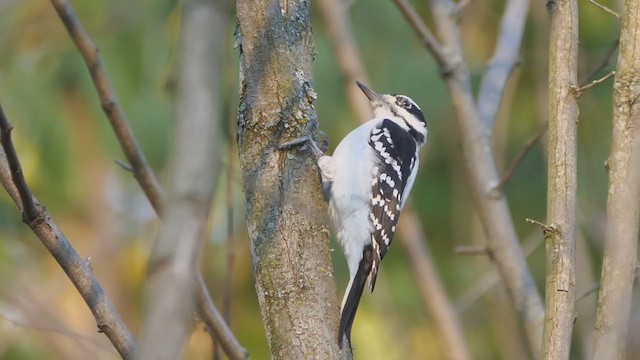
351	171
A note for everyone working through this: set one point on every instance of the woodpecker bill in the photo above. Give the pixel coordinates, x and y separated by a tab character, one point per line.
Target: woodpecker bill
367	181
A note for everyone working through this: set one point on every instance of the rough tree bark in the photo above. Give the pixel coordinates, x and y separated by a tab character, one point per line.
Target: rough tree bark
285	210
560	232
621	243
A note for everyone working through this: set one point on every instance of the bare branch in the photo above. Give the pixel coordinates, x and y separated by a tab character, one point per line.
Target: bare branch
214	321
504	60
124	166
425	35
483	176
118	120
76	268
546	228
560	284
606	9
434	296
521	155
192	178
620	252
577	91
29	211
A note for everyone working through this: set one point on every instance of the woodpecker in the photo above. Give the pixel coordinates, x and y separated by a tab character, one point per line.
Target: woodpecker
367	181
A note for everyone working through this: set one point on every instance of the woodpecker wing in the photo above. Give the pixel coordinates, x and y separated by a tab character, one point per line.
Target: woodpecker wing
396	151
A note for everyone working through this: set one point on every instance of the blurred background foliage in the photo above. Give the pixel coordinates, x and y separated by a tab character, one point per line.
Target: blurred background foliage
68	150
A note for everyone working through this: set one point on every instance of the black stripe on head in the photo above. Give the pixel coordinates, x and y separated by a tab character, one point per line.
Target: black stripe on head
416	135
417	113
411	107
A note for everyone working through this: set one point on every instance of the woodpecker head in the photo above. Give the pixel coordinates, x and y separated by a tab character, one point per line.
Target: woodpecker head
399	109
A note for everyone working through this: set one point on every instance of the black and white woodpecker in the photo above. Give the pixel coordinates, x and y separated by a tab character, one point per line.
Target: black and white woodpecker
367	181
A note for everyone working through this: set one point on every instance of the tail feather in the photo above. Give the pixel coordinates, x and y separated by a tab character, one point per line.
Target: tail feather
354	291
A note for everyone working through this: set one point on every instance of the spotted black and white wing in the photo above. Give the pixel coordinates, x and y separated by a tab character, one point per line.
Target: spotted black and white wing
394	172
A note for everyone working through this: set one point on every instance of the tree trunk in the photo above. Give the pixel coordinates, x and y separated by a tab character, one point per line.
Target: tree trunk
621	243
560	234
286	214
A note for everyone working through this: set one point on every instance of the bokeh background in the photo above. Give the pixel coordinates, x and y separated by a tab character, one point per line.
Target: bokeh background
68	153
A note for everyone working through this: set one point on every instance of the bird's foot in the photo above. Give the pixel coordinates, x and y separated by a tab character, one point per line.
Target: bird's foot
303	141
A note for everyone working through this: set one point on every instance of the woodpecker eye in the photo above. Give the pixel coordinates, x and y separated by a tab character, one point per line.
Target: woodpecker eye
402	102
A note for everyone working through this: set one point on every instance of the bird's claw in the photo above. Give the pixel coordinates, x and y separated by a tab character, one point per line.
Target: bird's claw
296	142
305	141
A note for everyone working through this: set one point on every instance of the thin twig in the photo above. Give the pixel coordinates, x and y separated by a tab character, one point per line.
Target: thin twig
214	321
117	118
471	250
606	9
76	268
577	92
123	165
521	155
425	34
604	62
65	331
595	287
29	210
546	228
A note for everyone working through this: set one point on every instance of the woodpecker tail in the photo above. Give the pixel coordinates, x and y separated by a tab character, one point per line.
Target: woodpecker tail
353	294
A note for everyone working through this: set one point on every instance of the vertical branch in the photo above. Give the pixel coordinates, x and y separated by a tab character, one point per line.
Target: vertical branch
192	177
560	236
285	218
619	262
